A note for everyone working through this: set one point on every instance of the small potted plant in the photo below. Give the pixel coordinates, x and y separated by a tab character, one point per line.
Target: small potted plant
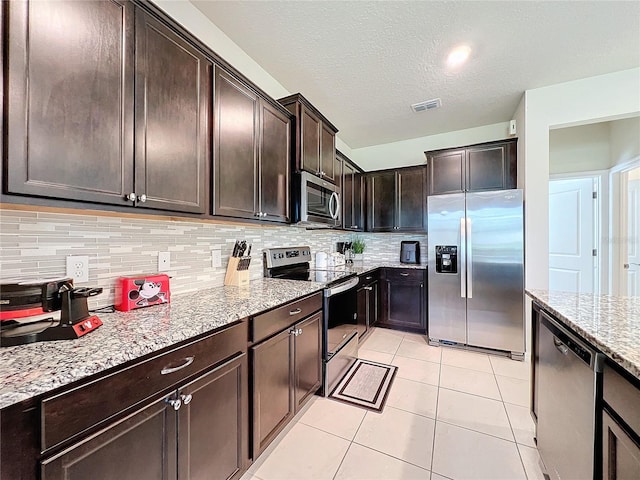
357	246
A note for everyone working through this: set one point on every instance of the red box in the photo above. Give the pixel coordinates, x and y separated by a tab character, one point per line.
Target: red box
138	291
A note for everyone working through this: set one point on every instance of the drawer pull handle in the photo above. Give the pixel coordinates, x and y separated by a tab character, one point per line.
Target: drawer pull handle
186	399
167	370
368	278
404	274
295	312
368	288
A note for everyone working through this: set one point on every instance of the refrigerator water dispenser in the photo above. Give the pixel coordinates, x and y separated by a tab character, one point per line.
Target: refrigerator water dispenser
446	259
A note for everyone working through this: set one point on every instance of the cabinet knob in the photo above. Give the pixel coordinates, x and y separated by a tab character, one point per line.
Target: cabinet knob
257	214
368	288
264	214
131	197
299	331
142	198
186	399
404	274
176	403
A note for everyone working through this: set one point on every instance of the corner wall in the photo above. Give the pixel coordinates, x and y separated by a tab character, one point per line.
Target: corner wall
605	97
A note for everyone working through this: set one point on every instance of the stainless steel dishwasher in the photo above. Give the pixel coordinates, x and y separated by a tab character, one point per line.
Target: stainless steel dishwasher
566	402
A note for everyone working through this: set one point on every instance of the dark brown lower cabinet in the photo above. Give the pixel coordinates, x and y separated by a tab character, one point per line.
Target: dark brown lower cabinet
368	303
199	431
142	446
287	371
620	453
403	301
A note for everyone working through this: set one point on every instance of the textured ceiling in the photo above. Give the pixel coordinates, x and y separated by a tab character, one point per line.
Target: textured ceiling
362	63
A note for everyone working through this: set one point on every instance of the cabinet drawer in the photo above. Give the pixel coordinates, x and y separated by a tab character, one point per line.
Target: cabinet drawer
370	277
622	396
70	413
280	318
404	274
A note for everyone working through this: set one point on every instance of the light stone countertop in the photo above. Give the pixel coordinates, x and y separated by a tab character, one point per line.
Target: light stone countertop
30	370
611	324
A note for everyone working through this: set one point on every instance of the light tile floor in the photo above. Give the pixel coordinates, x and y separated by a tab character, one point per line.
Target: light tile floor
451	414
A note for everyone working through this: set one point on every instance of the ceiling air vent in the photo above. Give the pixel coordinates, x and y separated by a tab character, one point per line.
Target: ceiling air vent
426	105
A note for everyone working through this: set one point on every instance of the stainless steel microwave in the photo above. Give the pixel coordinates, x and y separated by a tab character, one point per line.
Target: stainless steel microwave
319	202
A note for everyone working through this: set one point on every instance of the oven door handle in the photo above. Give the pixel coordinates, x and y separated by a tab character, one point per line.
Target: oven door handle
343	287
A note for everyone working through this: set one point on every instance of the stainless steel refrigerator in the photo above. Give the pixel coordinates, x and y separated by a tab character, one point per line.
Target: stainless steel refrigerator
476	270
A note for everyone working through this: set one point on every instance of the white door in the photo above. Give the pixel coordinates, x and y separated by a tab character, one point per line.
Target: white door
571	235
633	233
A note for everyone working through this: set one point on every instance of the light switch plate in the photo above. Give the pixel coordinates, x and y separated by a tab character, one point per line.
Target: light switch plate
164	261
216	258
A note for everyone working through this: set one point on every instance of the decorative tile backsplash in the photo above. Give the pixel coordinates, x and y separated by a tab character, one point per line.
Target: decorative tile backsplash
33	245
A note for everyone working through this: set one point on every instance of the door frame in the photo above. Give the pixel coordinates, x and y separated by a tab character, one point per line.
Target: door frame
601	218
618	224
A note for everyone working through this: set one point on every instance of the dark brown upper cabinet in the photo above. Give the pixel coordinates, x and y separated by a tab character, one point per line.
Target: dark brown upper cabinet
79	75
397	200
352	194
251	153
314	137
172	103
488	166
70	83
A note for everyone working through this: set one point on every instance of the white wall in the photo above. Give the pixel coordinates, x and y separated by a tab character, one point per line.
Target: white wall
579	149
196	22
601	98
411	152
625	140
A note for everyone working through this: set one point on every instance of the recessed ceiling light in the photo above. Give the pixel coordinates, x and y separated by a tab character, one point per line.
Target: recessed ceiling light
458	56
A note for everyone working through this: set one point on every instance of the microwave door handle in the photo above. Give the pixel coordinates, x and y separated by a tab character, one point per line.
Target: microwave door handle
337	206
333	197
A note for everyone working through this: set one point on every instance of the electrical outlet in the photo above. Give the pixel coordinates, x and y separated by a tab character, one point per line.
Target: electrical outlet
78	268
216	258
164	261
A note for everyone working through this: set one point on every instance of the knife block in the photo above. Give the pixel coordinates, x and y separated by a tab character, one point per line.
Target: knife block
237	271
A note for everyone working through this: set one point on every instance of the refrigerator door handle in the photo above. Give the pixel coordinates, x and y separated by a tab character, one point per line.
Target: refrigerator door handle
469	259
462	267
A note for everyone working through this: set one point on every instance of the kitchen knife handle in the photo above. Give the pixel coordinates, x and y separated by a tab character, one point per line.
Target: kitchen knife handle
469	259
462	263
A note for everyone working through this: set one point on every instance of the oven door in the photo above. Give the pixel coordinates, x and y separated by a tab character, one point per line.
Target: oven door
320	202
340	316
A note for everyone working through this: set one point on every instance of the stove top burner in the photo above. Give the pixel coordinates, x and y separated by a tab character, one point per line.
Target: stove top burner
293	264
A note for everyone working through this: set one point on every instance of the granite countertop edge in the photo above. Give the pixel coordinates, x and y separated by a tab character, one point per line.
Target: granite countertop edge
29	371
609	323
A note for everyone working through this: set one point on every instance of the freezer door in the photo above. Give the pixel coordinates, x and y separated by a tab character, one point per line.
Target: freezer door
447	302
495	270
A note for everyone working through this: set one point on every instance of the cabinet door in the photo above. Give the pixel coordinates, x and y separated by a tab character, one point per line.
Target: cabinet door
69	95
412	200
373	307
310	132
173	97
362	310
403	300
328	166
139	447
446	172
348	172
486	168
272	399
213	429
307	362
381	195
235	156
620	453
275	163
